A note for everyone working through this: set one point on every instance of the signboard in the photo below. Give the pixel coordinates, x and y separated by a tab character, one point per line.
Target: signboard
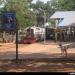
9	24
8	21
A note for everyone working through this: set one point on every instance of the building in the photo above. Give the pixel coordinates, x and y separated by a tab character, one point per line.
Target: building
65	20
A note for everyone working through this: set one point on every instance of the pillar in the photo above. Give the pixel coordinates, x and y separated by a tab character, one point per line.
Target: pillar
56	29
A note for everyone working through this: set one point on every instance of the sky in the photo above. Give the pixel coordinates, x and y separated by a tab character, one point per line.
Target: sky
34	1
3	4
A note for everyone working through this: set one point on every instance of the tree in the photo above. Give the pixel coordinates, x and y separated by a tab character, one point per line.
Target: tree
45	7
24	16
66	5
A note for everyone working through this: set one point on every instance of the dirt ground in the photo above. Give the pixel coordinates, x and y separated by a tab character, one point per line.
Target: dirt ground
42	55
37	66
36	50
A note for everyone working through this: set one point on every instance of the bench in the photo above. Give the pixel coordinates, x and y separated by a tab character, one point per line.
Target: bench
64	48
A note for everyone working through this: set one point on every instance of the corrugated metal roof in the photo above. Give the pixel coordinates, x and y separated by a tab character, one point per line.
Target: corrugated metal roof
63	14
68	17
67	22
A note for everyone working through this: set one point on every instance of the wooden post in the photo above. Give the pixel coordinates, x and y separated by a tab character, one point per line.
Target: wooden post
16	41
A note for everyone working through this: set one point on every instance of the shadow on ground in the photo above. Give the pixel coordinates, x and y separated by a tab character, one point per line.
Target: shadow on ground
12	55
37	64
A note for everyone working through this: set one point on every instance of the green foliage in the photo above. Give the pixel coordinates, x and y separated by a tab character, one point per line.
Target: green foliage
44	6
66	5
25	18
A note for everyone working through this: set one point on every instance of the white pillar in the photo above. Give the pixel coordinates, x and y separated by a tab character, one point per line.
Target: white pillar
56	29
73	33
69	32
44	27
4	35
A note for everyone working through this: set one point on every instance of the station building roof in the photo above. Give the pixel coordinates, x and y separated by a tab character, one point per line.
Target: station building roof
67	16
63	14
67	22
